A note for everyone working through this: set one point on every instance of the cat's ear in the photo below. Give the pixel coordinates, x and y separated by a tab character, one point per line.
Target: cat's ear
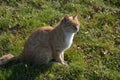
66	18
75	17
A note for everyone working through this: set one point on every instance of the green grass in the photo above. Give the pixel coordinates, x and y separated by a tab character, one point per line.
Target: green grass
94	55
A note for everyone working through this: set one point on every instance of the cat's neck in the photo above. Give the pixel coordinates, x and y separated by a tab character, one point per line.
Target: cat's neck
58	34
69	38
70	35
67	34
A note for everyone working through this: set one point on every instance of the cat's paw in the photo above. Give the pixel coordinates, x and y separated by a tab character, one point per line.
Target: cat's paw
65	63
61	64
56	63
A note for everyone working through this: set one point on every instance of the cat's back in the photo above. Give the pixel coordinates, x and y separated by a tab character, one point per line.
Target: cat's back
40	30
45	28
39	37
40	34
37	43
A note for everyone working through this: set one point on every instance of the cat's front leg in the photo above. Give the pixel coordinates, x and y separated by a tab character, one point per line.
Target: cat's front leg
60	58
64	62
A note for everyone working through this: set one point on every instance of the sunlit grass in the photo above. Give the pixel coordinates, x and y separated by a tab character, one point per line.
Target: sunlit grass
94	55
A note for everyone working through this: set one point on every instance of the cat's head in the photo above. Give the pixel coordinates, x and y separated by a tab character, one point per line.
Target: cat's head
70	23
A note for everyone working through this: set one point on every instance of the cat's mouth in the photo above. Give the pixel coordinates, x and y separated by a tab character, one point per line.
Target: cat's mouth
76	28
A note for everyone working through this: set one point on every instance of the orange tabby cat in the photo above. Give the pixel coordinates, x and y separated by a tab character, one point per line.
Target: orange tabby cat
47	43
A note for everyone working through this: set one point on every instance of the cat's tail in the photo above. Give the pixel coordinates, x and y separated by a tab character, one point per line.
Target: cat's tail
7	58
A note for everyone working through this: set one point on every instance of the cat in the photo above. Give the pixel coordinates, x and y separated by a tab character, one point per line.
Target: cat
47	43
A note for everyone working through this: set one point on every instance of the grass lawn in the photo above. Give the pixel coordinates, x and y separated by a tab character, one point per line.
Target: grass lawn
95	52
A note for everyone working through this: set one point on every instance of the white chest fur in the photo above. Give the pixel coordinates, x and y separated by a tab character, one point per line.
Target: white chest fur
68	40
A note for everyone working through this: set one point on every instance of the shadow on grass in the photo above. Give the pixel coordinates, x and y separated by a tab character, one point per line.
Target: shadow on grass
24	71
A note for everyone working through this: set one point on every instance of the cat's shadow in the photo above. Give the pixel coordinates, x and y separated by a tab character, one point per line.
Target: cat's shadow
25	71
